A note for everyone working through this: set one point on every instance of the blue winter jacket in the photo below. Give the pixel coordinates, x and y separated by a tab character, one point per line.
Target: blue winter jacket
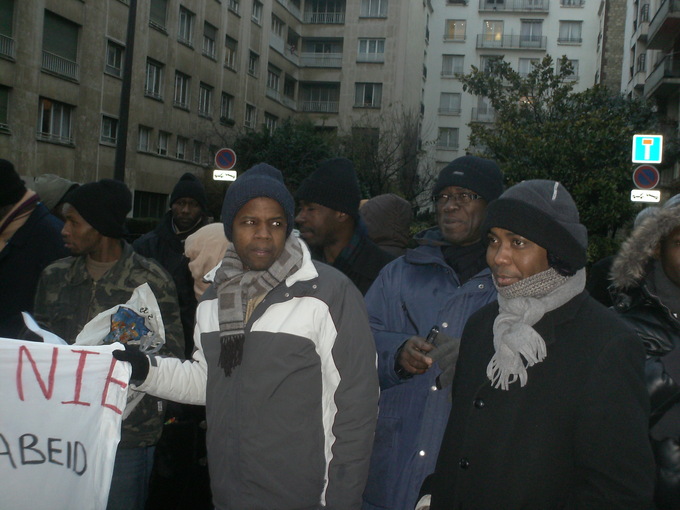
412	294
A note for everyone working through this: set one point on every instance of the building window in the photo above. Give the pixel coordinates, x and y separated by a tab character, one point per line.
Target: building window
231	46
574	66
185	33
449	103
227	108
448	139
158	14
277	27
273	78
257	12
367	95
250	119
163	140
205	100
181	148
114	58
253	62
485	62
271	122
526	65
60	46
641	66
144	139
4	108
319	97
55	121
234	5
373	9
181	90
454	30
492	31
452	65
531	33
109	132
371	50
209	38
570	32
572	3
153	86
197	152
150	205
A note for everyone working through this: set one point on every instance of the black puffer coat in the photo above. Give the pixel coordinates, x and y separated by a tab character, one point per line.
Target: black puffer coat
659	329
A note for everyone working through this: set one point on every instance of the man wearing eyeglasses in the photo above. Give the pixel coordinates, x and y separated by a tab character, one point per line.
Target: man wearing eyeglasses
440	283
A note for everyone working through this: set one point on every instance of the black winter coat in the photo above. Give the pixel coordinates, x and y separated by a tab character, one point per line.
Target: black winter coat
574	437
167	248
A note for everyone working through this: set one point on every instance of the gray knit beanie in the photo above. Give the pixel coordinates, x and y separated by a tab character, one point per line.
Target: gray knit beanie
262	180
483	176
544	212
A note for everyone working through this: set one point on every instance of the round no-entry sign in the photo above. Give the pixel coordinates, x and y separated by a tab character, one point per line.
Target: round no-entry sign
225	159
646	177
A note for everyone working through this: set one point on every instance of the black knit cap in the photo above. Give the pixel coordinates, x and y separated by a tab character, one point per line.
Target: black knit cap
480	175
189	186
12	188
103	204
544	212
334	185
261	180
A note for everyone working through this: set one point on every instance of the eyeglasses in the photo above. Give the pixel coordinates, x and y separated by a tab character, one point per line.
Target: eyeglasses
463	198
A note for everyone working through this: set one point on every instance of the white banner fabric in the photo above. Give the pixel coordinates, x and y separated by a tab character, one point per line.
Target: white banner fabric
60	417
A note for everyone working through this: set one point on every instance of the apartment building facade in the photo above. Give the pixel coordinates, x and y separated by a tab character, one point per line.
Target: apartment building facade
203	71
652	66
464	33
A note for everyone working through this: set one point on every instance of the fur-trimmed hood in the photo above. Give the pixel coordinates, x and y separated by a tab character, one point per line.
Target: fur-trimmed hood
631	263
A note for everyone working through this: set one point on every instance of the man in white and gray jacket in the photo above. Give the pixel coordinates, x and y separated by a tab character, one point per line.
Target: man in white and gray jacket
284	362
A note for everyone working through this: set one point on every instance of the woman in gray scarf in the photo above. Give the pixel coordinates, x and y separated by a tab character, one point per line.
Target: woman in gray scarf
549	404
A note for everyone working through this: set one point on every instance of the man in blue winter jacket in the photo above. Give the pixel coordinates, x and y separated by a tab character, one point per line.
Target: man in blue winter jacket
440	283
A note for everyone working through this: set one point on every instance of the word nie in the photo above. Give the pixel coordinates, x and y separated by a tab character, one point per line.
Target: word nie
47	388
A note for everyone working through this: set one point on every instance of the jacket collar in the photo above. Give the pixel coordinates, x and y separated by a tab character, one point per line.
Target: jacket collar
78	274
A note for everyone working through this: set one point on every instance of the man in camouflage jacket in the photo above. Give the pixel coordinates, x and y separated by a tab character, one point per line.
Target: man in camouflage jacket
103	272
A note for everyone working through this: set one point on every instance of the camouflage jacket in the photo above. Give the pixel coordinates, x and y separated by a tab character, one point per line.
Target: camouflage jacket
67	298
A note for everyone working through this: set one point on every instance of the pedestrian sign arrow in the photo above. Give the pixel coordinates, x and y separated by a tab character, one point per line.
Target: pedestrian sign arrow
647	148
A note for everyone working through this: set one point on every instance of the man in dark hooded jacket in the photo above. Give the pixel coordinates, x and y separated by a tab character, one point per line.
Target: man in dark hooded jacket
646	292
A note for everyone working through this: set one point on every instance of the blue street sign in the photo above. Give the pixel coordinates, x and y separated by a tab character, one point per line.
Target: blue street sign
647	148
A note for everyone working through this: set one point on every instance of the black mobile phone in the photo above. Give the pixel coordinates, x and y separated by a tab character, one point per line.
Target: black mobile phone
432	335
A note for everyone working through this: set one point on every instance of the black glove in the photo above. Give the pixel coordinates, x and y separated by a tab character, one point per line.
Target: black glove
136	358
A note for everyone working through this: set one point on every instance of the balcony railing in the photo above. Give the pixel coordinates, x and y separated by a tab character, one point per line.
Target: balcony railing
536	42
6	46
325	18
289	102
662	29
277	43
569	40
273	94
292	8
483	114
514	5
371	57
59	65
666	69
320	106
321	59
448	111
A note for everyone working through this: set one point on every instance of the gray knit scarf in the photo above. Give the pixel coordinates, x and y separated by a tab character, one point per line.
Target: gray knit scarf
236	287
522	305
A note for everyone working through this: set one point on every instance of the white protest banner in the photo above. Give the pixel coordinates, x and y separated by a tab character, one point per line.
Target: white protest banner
60	416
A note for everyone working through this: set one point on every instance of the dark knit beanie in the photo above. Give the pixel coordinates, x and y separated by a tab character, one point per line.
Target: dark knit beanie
334	185
189	186
103	204
480	175
12	188
544	212
262	180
